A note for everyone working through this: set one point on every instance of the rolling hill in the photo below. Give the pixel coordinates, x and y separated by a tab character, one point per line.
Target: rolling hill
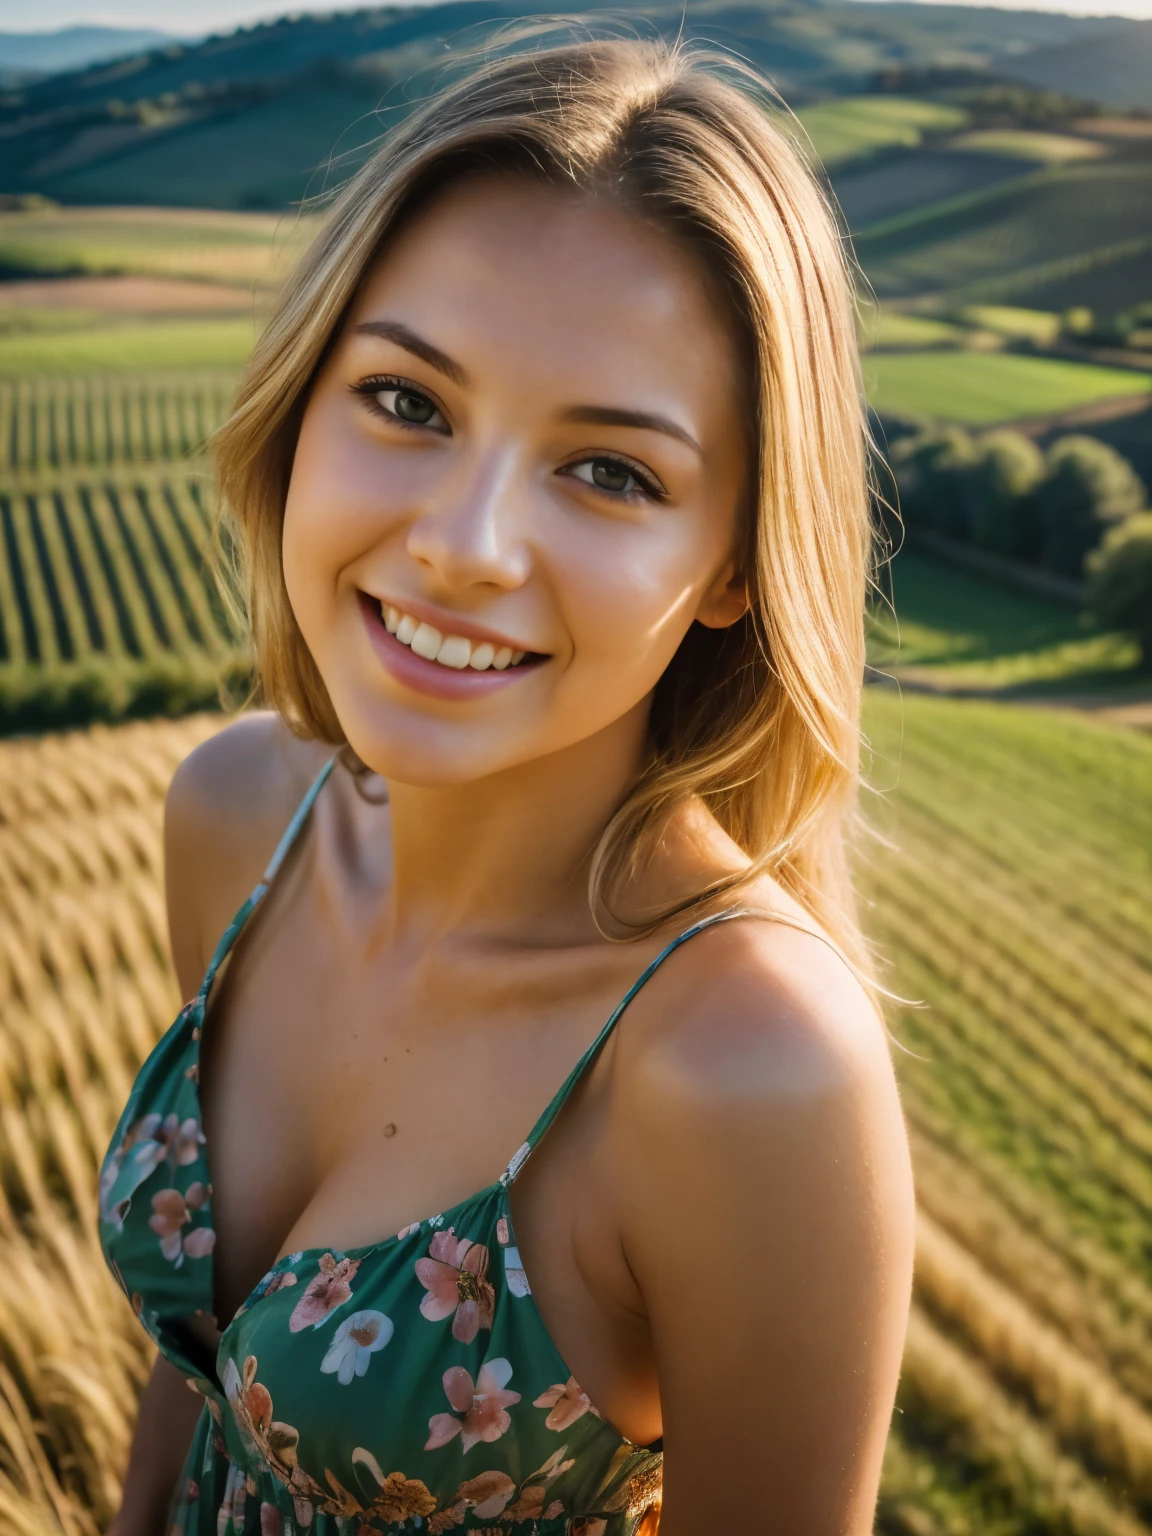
1115	69
1014	903
249	119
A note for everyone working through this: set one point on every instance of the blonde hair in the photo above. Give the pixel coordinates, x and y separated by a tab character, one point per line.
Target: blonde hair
760	721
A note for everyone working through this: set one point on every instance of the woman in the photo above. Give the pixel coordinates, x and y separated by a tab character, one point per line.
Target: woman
549	478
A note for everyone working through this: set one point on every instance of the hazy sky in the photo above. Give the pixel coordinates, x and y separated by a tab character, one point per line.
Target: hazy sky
195	17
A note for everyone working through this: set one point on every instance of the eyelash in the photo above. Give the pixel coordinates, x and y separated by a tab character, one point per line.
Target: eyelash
368	389
649	487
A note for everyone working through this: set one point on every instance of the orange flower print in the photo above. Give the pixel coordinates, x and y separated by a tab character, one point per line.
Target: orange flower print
326	1291
568	1403
171	1212
484	1405
400	1497
455	1277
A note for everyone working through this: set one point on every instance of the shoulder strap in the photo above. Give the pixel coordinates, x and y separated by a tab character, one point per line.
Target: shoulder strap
593	1050
232	932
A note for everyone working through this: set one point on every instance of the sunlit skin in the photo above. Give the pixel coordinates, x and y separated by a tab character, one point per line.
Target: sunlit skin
534	425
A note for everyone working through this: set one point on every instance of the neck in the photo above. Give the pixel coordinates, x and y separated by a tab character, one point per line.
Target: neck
508	856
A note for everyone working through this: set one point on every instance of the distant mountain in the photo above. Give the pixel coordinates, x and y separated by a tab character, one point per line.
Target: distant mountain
252	119
25	55
1114	69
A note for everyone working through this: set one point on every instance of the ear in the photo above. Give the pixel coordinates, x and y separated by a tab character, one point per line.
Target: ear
726	599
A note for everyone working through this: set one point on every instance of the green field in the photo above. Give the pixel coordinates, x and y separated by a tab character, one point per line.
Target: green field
979	388
1005	242
1015	901
954	629
102	420
154	242
858	125
128	345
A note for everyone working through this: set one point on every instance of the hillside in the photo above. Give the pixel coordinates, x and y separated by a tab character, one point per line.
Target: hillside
1015	903
26	56
1017	240
1114	69
250	119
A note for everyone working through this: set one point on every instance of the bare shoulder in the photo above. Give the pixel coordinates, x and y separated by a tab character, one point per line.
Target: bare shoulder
757	1007
227	806
759	1047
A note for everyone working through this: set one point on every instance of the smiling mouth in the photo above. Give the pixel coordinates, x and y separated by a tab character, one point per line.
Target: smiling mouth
458	653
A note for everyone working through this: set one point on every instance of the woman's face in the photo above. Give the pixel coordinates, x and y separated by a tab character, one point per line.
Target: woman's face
528	442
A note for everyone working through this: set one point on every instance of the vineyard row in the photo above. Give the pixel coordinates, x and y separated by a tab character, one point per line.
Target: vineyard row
100	421
107	568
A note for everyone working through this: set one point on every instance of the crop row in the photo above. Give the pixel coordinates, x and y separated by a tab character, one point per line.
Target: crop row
115	567
100	421
1026	1396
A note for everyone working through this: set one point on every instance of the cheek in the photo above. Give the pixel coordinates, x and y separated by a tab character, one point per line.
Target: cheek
628	599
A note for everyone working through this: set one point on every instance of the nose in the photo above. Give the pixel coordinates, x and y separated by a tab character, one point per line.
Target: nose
471	533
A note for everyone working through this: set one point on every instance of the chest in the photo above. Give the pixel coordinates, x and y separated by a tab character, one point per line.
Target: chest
345	1094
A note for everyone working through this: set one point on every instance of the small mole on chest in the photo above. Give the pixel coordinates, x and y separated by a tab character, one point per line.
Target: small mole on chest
389	1129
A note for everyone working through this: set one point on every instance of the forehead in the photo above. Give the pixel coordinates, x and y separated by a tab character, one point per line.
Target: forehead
507	268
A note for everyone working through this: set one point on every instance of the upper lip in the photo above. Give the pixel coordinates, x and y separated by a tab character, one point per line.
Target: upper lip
451	623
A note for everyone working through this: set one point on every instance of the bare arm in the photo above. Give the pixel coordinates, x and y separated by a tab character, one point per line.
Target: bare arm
168	1415
769	1223
225	809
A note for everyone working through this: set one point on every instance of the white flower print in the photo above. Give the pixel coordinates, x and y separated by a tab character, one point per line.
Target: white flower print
355	1342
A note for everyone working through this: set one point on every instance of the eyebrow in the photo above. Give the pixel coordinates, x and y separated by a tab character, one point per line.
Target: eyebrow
392	330
647	421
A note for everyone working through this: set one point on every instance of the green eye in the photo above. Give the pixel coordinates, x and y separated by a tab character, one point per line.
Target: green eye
409	406
610	475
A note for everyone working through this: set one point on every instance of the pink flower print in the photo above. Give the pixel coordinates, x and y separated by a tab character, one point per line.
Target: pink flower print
455	1277
354	1343
171	1212
484	1406
327	1290
568	1403
269	1520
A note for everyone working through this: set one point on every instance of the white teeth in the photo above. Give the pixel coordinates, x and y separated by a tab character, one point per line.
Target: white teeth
427	641
455	651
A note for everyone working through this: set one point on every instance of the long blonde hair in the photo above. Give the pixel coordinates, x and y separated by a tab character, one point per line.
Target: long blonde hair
760	721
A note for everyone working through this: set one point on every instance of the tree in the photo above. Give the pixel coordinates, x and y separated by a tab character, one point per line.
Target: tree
1120	581
1087	487
998	489
930	470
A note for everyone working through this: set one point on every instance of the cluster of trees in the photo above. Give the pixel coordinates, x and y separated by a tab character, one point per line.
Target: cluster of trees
1126	328
1077	510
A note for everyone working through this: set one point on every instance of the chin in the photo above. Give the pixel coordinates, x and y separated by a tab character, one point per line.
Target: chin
427	754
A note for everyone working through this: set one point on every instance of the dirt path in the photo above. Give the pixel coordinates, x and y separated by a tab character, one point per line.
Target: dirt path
125	295
1129	705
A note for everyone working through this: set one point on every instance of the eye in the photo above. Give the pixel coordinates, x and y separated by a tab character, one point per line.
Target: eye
399	401
616	476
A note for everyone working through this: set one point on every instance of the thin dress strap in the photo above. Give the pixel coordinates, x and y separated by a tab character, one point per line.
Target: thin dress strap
231	933
593	1050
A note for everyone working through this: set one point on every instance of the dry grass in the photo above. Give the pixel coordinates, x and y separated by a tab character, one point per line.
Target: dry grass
1019	908
85	990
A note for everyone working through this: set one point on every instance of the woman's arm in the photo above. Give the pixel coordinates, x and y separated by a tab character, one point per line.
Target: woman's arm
226	807
770	1225
168	1414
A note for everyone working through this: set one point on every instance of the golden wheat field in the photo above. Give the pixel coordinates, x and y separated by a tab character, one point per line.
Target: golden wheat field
1014	898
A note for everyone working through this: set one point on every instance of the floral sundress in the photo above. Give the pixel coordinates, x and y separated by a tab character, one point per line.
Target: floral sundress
409	1385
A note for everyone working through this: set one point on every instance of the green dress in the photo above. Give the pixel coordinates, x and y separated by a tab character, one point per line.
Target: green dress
408	1385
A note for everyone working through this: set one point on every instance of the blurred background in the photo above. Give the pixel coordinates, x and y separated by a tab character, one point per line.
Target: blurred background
995	169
